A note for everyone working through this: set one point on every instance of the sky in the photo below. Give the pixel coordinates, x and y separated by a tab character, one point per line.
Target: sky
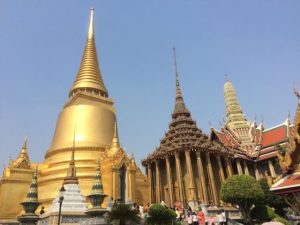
256	43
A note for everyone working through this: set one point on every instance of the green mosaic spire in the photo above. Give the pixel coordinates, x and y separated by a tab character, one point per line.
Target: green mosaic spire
32	195
97	188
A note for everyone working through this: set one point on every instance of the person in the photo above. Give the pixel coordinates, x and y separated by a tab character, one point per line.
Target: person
195	219
177	215
201	217
42	210
189	218
141	211
219	218
224	219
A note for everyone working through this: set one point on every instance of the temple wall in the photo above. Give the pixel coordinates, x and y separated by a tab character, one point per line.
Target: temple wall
13	190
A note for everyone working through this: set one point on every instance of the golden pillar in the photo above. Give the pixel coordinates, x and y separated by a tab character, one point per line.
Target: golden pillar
157	185
228	167
192	190
170	181
202	188
150	181
246	168
239	167
131	182
257	174
179	176
115	187
221	172
271	168
212	179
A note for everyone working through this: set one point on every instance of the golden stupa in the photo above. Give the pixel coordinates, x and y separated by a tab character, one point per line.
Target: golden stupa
87	123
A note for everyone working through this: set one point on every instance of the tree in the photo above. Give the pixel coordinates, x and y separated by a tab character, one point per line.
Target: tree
242	190
272	200
123	214
160	215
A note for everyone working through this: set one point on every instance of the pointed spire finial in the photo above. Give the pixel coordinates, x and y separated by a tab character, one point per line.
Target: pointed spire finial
210	124
226	78
25	143
115	146
71	177
91	26
175	64
179	103
89	76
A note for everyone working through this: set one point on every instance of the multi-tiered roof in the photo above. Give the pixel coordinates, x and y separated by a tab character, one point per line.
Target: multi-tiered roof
183	133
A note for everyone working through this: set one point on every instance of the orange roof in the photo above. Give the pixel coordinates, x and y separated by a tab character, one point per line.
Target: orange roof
274	136
222	137
287	184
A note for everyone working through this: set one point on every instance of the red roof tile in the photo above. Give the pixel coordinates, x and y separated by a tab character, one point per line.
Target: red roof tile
274	136
287	184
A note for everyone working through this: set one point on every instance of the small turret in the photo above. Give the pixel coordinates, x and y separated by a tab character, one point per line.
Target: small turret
97	195
30	203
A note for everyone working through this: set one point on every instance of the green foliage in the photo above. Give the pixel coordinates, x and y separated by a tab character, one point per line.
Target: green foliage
242	190
282	220
123	214
160	215
270	199
262	213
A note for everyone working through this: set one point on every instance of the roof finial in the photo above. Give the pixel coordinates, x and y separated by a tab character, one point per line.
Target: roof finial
71	177
175	64
226	78
25	142
91	26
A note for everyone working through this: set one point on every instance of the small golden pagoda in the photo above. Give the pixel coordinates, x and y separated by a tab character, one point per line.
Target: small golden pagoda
90	112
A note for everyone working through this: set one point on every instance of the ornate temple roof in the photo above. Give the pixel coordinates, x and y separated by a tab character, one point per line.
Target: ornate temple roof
183	133
249	140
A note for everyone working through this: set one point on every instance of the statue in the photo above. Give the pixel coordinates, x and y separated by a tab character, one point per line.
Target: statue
289	158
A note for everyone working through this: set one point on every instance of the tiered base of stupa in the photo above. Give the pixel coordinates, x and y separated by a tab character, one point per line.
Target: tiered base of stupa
73	208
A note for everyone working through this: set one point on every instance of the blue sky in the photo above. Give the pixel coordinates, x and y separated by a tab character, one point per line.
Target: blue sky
257	43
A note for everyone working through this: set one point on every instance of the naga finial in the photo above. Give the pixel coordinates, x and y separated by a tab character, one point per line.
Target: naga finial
296	91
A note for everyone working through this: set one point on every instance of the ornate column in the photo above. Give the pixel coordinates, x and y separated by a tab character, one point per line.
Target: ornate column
228	167
257	175
131	182
150	181
246	168
221	172
179	176
115	187
212	179
157	184
192	191
170	181
202	188
239	167
271	168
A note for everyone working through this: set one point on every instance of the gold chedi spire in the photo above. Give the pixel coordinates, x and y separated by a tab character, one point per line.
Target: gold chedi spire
115	146
179	102
89	78
23	154
235	117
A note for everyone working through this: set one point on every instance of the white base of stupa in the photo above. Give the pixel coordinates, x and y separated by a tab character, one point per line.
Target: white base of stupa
73	201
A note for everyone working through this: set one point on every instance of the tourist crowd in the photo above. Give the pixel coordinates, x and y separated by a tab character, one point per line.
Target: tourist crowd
186	216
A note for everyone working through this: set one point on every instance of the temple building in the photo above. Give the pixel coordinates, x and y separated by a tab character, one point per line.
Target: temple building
189	166
253	145
87	124
288	185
